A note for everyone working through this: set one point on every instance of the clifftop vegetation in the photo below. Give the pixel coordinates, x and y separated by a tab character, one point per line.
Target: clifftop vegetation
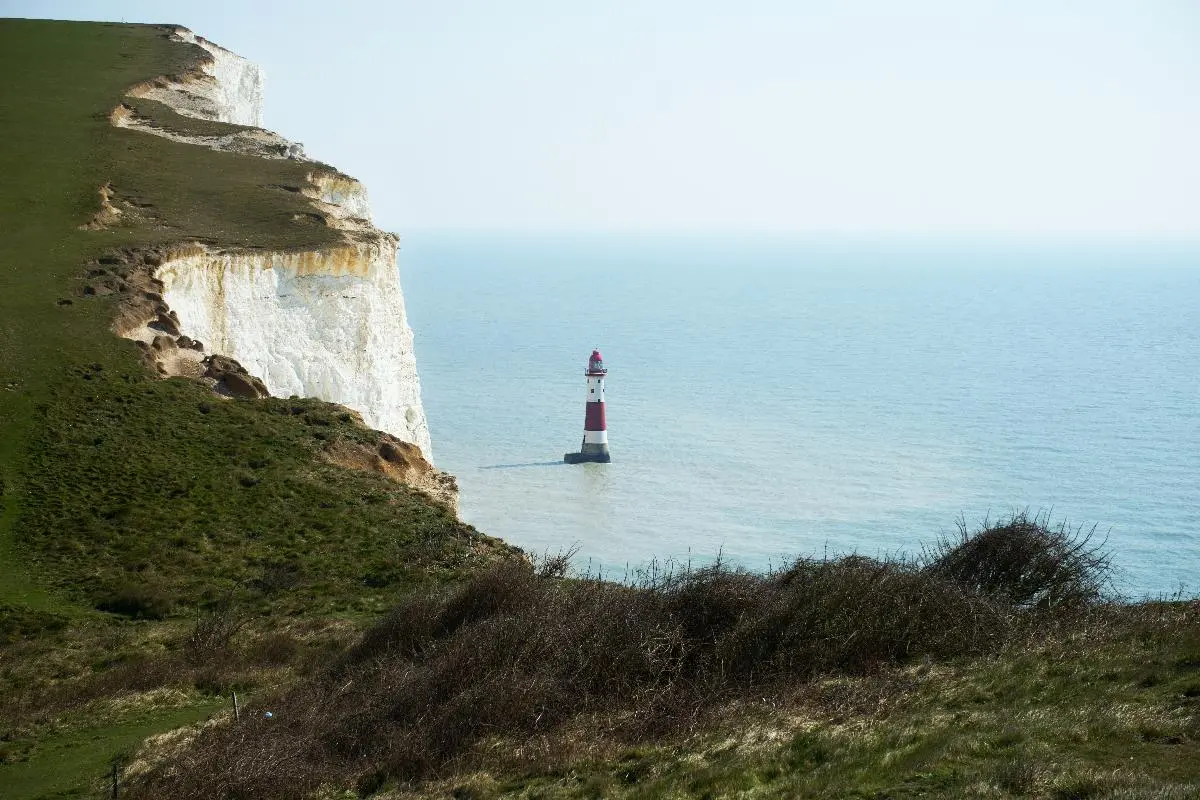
133	504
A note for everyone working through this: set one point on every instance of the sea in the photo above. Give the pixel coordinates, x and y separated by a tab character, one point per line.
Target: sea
773	396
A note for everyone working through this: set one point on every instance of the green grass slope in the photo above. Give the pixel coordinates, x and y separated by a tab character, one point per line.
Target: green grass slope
129	500
110	475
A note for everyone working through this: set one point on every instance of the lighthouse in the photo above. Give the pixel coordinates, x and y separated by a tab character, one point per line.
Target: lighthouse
595	431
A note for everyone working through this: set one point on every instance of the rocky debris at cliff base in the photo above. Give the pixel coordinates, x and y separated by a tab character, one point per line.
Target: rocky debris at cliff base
231	378
400	461
166	322
142	315
242	386
401	455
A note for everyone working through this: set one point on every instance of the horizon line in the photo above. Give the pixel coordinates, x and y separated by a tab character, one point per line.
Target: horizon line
1015	237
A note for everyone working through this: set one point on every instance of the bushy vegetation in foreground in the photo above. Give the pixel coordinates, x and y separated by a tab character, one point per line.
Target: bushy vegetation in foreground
1106	707
525	659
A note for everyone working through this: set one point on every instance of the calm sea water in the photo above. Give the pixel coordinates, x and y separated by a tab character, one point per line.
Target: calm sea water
769	397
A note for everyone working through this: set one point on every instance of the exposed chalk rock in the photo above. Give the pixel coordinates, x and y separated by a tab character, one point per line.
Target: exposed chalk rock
228	88
327	323
330	325
251	141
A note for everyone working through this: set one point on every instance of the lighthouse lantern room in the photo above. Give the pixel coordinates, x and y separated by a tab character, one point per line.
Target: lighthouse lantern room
595	429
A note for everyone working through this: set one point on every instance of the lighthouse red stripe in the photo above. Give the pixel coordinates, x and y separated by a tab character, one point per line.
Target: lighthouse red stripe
595	417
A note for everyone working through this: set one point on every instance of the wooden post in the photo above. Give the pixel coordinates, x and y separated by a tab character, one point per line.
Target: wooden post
116	776
237	712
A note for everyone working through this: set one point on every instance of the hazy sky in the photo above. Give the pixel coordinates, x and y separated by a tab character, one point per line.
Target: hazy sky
1036	117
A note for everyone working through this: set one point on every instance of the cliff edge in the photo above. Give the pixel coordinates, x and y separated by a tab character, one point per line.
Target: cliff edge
326	322
257	438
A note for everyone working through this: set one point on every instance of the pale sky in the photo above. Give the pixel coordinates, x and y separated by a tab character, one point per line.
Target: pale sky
1024	117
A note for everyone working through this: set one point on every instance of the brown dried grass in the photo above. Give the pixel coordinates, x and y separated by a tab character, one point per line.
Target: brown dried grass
521	651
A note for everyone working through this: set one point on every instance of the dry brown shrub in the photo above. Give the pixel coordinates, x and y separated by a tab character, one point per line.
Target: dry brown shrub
518	650
1026	562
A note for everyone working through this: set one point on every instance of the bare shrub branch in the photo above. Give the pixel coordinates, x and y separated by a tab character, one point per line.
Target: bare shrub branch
1025	562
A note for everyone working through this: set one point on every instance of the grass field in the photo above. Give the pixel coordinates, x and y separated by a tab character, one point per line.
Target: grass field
111	477
70	762
130	501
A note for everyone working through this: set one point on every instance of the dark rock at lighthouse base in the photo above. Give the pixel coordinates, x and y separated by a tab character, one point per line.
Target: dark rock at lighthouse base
584	458
591	453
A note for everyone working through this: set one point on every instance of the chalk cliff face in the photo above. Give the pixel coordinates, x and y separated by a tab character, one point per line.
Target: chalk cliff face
326	323
229	90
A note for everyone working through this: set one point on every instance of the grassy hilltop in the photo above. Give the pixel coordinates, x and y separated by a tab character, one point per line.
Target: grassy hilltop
131	504
161	548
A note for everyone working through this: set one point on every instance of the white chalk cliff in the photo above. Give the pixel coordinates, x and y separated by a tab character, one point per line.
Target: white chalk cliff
326	323
230	90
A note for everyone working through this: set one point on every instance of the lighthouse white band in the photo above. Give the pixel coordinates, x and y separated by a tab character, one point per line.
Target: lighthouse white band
595	437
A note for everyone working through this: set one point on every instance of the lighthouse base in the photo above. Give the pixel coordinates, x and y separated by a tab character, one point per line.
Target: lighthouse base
591	453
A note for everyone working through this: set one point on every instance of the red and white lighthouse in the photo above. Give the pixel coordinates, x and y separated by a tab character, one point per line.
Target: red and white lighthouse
595	431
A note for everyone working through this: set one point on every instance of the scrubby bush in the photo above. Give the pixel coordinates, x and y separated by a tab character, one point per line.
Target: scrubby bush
517	650
138	601
212	633
1025	562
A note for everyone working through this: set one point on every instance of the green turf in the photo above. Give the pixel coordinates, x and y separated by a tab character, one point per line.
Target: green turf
217	497
77	760
122	495
113	477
